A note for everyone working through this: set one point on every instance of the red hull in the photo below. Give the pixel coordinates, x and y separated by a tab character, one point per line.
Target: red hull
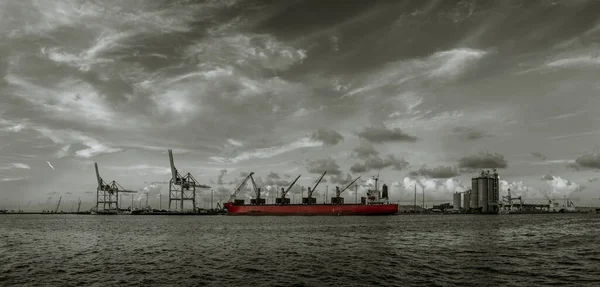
314	209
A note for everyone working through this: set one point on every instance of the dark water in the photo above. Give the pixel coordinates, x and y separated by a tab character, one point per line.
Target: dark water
513	250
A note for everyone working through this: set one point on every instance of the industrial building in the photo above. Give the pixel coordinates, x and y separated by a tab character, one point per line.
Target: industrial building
483	197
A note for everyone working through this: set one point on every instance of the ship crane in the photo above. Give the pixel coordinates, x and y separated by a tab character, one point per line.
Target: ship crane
283	199
235	192
309	199
108	194
182	188
340	200
258	200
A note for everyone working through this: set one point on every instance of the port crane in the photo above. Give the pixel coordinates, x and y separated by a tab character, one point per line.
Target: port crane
235	192
182	188
309	199
108	194
57	205
283	199
338	199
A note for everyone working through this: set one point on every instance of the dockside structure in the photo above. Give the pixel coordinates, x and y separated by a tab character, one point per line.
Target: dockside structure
485	192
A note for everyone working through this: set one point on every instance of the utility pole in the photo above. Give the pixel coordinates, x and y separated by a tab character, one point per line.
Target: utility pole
326	192
211	198
356	194
147	199
160	201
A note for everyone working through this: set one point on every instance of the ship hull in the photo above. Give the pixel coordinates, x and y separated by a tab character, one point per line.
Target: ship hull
312	209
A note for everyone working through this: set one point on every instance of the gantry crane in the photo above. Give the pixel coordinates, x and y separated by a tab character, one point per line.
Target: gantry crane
232	198
108	194
340	200
309	199
283	199
182	188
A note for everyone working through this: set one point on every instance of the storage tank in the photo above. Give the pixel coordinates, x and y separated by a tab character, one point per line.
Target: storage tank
483	193
467	200
456	201
474	193
490	194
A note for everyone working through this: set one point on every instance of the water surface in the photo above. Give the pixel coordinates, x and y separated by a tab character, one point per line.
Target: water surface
408	250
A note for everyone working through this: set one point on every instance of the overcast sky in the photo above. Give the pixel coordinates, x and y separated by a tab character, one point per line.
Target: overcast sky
422	91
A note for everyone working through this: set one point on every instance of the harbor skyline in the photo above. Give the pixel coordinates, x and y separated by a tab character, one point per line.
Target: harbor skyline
425	92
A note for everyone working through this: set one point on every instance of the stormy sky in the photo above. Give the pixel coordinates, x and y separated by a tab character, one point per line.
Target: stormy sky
421	92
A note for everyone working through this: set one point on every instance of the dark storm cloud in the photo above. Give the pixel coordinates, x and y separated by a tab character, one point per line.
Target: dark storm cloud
321	165
364	151
547	177
381	134
358	168
587	161
328	137
469	133
341	180
378	163
538	155
273	175
436	172
483	160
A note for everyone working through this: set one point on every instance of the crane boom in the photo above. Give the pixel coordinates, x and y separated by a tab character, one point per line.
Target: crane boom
59	199
289	187
232	197
173	169
256	190
338	192
310	191
98	175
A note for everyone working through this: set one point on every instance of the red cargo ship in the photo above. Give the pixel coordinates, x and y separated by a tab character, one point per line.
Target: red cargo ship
375	203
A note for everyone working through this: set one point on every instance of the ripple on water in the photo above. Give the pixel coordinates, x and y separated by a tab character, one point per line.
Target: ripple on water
465	250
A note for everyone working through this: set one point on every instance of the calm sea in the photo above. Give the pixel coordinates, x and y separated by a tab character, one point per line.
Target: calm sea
408	250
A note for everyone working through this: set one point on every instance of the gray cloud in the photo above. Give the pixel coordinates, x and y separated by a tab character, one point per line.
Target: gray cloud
547	177
328	137
364	151
378	163
469	133
381	134
587	161
483	160
341	180
222	174
538	155
130	79
436	172
273	175
321	165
